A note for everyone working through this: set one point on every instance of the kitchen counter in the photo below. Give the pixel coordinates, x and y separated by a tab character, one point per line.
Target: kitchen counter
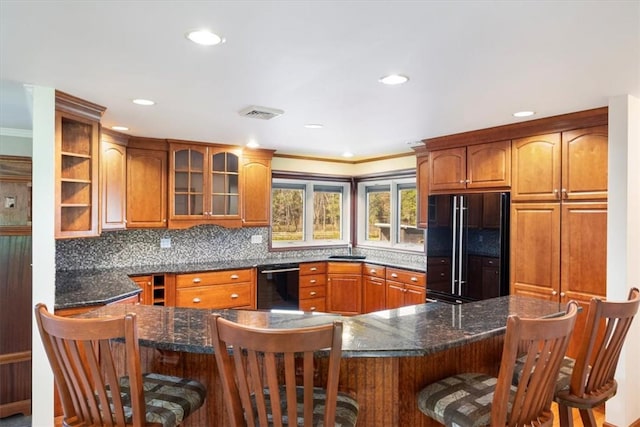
82	288
387	356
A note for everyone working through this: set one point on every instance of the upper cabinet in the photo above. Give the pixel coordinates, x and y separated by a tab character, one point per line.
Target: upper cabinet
77	129
204	185
113	180
570	165
146	183
474	167
256	188
422	183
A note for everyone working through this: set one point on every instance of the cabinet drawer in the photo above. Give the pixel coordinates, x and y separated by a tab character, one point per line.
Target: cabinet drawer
213	278
439	273
405	276
221	296
344	268
313	268
373	270
438	260
312	280
313	292
313	304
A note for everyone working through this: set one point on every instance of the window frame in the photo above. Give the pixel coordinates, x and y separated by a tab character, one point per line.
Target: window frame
395	184
308	212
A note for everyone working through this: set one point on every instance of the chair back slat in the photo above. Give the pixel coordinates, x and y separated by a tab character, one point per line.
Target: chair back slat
605	331
261	379
545	343
80	354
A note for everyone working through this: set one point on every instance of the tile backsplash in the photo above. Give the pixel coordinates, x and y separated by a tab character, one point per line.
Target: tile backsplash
203	243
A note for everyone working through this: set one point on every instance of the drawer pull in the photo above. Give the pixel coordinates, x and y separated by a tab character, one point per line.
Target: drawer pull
196	280
313	269
234	276
148	283
441	274
312	308
372	271
196	300
414	279
234	296
442	261
312	281
394	275
313	293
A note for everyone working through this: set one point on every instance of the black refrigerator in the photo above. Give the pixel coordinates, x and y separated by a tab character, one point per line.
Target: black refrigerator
467	247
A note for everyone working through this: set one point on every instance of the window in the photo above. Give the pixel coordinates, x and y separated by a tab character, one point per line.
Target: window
388	214
309	213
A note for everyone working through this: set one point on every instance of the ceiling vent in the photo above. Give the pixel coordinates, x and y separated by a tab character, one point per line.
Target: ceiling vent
264	113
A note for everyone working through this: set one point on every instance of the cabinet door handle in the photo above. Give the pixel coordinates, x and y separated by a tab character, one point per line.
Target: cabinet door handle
562	294
556	193
462	181
234	276
196	280
312	281
196	300
312	308
234	296
394	275
148	283
312	293
467	181
554	293
414	279
564	193
313	269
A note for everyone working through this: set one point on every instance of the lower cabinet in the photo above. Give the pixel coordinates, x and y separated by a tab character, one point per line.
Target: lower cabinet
153	289
373	288
404	287
217	289
313	286
344	288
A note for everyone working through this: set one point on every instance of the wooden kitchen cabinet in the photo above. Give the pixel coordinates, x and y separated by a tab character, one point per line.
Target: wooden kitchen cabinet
404	287
344	288
146	188
474	167
217	289
256	188
422	186
113	180
373	288
204	185
563	166
153	289
77	130
312	286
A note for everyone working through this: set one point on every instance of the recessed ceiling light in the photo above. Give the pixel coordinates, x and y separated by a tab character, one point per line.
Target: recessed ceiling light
204	37
119	128
347	154
314	126
393	79
252	144
145	102
523	113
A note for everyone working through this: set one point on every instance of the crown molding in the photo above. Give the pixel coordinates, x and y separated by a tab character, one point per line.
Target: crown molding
20	133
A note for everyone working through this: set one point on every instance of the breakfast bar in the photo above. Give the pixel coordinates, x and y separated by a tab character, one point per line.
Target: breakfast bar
387	355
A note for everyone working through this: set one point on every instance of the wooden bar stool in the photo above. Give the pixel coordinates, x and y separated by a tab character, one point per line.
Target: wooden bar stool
592	373
255	391
472	399
92	393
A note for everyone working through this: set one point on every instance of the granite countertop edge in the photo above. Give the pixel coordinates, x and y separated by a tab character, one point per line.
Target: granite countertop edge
94	287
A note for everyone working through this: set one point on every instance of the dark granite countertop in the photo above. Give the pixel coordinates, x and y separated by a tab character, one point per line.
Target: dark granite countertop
87	287
409	331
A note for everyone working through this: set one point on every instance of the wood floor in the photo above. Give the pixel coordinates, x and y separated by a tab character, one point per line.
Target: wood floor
577	421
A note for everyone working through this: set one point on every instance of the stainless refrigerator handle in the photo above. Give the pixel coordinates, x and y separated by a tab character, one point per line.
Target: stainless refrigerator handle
453	244
460	235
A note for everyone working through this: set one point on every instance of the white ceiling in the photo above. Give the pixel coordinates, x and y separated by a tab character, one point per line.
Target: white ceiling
471	64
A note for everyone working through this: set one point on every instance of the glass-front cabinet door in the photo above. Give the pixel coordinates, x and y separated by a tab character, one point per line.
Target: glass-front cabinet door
205	186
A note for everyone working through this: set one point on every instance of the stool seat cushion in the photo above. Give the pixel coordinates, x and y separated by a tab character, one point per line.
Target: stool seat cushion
346	408
564	376
169	400
461	400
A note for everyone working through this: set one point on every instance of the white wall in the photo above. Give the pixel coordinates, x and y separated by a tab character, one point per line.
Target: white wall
15	142
44	263
343	168
623	245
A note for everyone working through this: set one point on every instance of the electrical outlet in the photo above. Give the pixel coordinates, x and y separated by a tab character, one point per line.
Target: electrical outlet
256	238
165	242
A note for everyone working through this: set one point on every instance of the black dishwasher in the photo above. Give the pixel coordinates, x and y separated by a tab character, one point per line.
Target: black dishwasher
278	286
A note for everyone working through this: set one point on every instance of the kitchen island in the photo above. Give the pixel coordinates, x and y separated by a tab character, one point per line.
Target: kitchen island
387	355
